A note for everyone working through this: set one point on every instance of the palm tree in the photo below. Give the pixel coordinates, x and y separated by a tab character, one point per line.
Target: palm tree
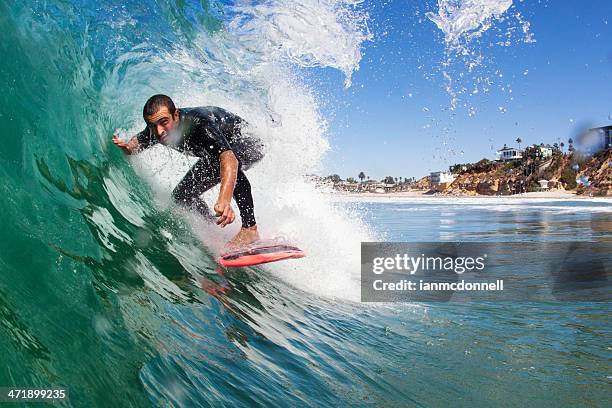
361	176
519	141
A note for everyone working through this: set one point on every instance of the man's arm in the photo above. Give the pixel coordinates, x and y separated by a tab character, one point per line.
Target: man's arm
229	172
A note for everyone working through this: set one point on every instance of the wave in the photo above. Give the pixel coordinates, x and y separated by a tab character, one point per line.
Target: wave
95	258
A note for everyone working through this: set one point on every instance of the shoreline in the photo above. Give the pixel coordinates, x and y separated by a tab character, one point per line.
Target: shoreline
568	195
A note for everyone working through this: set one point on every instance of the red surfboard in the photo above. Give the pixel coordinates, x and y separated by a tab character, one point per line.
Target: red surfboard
256	254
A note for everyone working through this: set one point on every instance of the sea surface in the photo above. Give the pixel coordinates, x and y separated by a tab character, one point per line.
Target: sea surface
109	291
248	338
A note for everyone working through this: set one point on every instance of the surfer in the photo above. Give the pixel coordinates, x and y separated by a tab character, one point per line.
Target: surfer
214	135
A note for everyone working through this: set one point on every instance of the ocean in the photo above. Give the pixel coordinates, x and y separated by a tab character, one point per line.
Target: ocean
109	291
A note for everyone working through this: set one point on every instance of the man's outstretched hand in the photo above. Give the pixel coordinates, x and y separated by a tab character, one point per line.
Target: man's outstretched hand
225	213
129	147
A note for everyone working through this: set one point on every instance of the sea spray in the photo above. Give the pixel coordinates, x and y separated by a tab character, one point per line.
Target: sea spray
468	69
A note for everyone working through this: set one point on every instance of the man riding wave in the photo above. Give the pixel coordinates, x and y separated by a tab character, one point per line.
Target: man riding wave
214	135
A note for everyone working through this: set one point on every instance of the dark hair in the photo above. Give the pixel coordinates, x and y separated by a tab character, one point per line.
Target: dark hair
155	103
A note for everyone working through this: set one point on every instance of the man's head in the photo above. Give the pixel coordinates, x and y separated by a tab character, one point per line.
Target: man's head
162	117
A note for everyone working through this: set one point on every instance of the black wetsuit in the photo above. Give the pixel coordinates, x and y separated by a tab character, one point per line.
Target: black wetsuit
206	132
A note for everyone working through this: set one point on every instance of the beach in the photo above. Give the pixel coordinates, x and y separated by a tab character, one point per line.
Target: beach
422	194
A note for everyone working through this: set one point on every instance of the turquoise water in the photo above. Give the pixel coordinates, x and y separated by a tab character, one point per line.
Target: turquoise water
111	293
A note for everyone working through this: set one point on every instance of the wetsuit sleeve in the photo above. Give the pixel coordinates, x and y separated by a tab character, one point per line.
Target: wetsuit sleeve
214	141
145	139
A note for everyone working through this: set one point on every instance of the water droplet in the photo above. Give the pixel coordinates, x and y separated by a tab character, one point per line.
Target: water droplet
142	238
102	325
584	180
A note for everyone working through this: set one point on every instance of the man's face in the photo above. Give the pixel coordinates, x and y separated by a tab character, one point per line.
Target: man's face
163	124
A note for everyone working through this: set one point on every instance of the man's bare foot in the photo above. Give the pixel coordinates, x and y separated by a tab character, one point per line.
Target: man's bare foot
244	237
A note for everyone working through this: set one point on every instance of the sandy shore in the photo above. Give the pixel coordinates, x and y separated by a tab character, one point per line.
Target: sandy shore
421	194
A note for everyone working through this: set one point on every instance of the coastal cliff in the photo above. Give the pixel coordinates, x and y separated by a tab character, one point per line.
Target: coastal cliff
597	175
572	172
584	175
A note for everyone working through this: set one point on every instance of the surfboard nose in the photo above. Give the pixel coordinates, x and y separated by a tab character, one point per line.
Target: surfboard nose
260	255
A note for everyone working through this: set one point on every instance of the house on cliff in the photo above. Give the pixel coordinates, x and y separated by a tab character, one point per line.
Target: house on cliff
595	140
509	153
440	180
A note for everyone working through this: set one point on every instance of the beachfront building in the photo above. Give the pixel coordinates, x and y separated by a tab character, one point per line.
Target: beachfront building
347	186
440	180
509	153
595	139
442	177
384	188
544	151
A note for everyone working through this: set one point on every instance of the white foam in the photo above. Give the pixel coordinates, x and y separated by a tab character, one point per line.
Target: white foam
461	21
326	33
248	70
474	201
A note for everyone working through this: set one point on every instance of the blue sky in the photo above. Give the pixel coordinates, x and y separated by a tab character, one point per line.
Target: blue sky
395	118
